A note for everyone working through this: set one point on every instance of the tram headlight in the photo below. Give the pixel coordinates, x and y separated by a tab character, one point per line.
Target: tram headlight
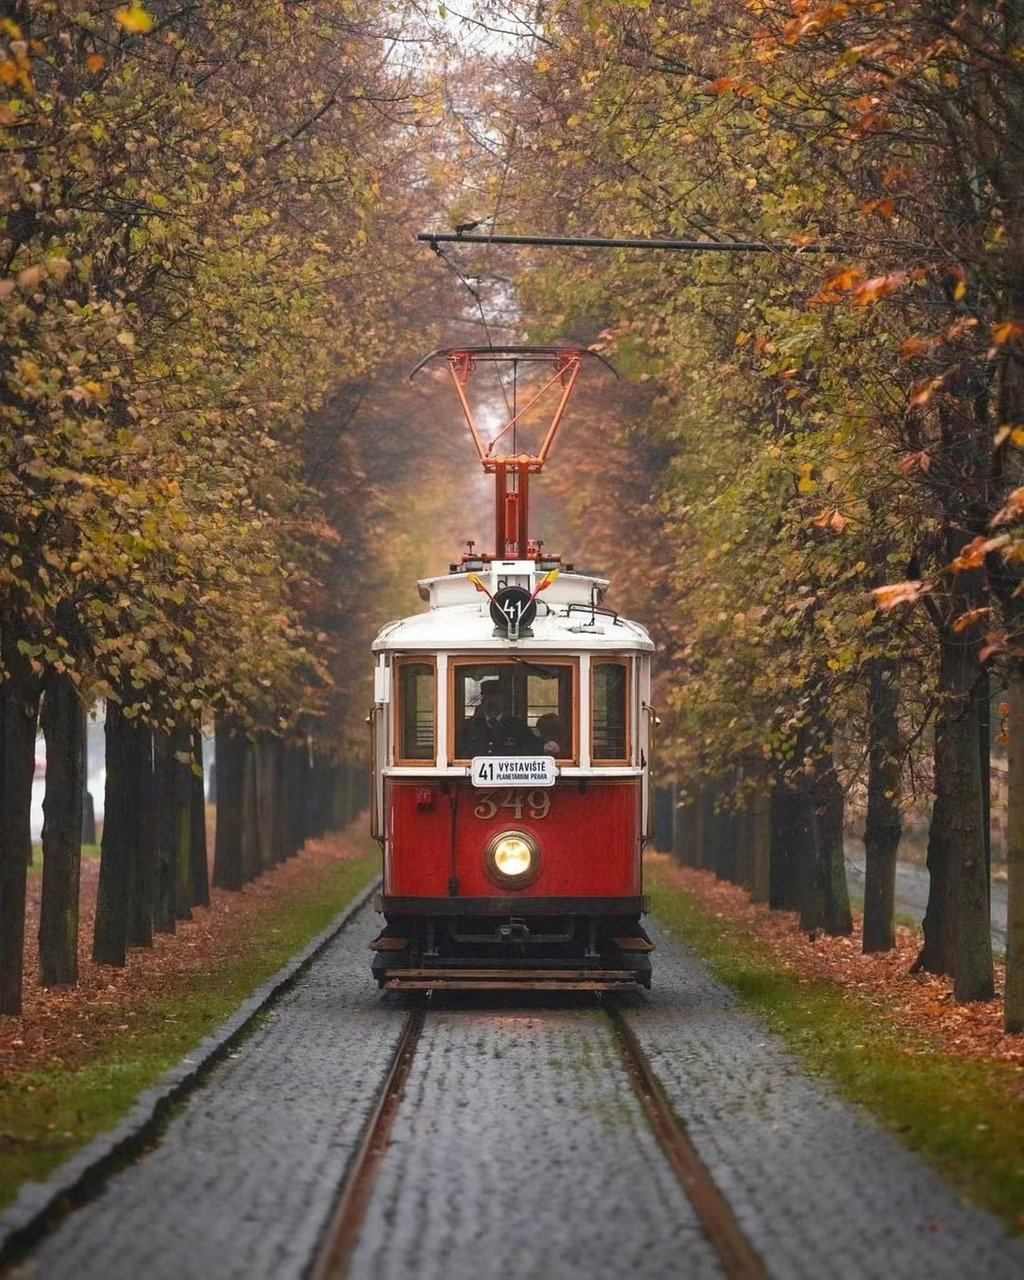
513	859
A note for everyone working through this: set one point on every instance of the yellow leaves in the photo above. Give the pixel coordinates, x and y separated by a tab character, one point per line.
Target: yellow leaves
89	392
900	593
837	287
922	393
135	19
9	72
960	291
843	280
805	483
1003	334
1014	434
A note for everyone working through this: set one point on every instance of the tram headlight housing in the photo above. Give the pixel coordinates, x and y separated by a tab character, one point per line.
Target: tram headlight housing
513	859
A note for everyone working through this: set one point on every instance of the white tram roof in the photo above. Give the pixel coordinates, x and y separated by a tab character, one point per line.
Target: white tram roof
458	616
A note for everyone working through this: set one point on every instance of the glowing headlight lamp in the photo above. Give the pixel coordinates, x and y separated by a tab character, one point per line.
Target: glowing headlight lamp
513	859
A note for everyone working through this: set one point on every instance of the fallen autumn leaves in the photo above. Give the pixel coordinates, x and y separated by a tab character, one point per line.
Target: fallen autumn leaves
63	1027
919	1003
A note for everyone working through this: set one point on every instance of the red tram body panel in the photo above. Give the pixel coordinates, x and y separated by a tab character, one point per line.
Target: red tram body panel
587	831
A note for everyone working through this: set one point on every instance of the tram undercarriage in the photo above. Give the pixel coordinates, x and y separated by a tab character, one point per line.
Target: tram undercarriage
486	951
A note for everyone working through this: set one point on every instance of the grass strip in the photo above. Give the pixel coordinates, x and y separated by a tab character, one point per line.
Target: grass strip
45	1116
965	1117
90	852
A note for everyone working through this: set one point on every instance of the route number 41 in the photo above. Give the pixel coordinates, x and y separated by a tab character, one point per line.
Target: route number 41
537	803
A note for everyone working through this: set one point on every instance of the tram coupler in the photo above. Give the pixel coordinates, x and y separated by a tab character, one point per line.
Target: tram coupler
514	930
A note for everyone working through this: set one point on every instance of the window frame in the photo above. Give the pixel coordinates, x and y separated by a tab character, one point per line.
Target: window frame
616	660
400	761
538	659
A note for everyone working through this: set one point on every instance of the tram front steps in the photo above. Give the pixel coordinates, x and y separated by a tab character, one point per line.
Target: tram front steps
501	979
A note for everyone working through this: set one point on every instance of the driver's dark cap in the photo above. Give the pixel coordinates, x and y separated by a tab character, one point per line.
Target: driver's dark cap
494	685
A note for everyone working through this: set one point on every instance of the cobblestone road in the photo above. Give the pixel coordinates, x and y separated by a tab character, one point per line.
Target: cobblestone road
819	1189
520	1150
246	1173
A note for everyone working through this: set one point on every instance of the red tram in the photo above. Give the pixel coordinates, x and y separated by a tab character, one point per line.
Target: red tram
510	741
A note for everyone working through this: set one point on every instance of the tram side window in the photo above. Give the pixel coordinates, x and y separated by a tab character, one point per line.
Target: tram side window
416	710
609	710
513	708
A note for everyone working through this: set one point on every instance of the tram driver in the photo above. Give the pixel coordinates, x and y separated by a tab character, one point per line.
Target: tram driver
493	730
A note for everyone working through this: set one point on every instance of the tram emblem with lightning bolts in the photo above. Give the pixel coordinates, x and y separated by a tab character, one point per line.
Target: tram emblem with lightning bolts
510	736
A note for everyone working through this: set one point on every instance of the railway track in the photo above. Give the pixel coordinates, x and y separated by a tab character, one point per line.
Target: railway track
510	1137
737	1258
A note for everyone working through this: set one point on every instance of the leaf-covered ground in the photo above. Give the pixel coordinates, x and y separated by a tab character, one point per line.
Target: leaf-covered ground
64	1027
920	1004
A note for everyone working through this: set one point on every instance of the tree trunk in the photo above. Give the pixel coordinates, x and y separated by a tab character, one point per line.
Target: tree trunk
63	721
957	927
984	700
1013	1013
197	813
267	798
786	835
110	936
19	707
760	845
231	759
250	813
142	822
163	782
181	821
824	900
884	824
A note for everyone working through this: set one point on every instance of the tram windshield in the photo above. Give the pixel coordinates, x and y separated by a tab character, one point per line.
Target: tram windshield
516	707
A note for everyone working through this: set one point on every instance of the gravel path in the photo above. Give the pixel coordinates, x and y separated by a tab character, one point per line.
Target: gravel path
912	892
246	1173
819	1188
520	1150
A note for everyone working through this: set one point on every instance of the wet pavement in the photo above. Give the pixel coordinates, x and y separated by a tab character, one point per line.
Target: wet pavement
912	891
519	1150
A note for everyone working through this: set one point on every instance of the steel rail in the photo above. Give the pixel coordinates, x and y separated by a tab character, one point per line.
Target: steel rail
342	1235
435	238
738	1257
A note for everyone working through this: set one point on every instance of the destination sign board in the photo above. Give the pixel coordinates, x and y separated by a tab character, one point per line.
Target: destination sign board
513	771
